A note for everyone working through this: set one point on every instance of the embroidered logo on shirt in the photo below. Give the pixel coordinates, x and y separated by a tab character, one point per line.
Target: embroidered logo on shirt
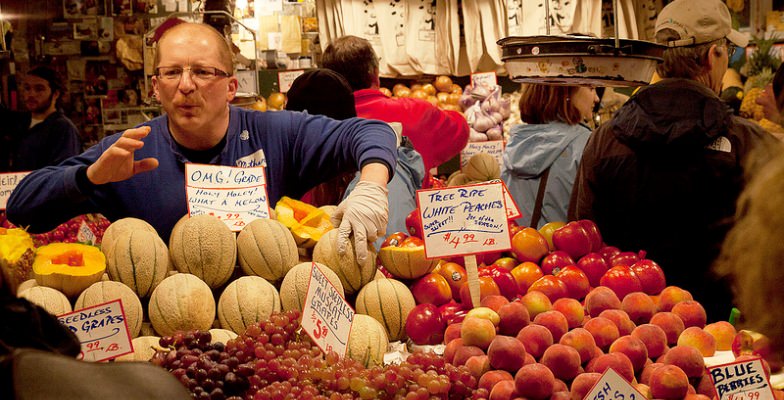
257	159
720	144
244	135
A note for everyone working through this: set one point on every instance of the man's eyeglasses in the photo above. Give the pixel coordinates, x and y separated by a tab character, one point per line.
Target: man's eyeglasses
731	48
201	74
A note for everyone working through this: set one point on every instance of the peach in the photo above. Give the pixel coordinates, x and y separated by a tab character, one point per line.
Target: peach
534	382
478	365
536	302
778	394
599	299
493	301
669	382
645	375
529	359
582	341
691	312
633	348
450	349
687	358
705	386
452	332
653	337
699	339
583	383
672	295
621	320
571	309
463	353
553	320
644	389
493	377
723	332
561	395
507	353
639	306
486	313
477	332
504	390
670	323
603	330
514	316
562	360
559	386
696	396
536	339
617	361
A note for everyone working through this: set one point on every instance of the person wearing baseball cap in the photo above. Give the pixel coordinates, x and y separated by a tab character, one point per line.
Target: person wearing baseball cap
664	174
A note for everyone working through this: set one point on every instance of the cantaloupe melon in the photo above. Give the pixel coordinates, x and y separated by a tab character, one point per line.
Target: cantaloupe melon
266	248
389	302
122	225
26	285
247	300
221	335
482	167
352	275
140	260
68	267
51	300
102	292
144	347
367	342
406	262
181	302
204	246
294	287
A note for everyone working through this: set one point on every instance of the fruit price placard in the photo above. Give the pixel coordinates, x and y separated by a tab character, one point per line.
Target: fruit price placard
741	380
464	220
234	195
286	79
102	330
326	316
494	148
487	79
512	210
612	386
8	183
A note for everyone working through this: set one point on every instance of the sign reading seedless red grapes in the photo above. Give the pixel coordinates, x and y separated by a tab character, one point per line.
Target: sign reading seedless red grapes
464	220
234	195
102	330
326	316
741	380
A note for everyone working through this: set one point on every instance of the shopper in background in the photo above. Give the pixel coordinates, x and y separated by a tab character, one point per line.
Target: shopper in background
664	174
140	172
323	91
42	135
772	98
438	135
752	253
542	155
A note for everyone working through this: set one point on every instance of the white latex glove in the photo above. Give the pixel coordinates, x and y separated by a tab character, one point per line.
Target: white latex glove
365	212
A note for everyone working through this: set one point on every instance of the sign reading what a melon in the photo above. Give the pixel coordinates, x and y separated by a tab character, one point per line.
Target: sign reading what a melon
101	329
326	315
8	183
612	386
234	195
741	380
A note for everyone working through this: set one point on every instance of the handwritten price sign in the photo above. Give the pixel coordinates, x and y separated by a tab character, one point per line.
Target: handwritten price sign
8	183
326	316
487	79
612	386
741	380
464	220
494	148
102	330
234	195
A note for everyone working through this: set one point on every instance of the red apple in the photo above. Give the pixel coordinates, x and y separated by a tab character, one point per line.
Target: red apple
651	276
414	224
394	239
572	239
452	312
594	266
547	231
506	282
625	258
526	274
488	258
455	275
432	288
576	281
593	233
424	325
507	263
554	261
551	286
412	241
621	280
608	252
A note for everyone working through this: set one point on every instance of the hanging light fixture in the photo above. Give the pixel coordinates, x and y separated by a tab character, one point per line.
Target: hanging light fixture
580	60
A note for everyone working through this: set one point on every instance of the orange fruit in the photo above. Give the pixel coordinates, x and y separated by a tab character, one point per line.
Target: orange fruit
276	101
529	245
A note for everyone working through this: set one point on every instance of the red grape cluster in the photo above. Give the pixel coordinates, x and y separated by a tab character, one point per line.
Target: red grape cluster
273	360
66	232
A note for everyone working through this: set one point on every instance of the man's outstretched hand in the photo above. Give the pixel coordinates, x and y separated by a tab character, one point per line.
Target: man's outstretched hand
117	163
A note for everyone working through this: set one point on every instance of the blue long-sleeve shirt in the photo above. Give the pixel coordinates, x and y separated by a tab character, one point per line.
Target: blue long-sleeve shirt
298	150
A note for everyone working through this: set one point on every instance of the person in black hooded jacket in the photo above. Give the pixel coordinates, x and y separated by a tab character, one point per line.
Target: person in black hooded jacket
665	173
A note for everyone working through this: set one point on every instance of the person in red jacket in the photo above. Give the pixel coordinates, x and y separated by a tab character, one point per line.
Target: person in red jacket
438	135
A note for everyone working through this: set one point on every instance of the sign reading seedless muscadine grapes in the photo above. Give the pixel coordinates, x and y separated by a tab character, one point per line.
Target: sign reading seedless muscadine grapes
234	195
326	315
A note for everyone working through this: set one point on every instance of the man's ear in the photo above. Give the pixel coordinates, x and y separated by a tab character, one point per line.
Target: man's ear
155	87
713	55
232	88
